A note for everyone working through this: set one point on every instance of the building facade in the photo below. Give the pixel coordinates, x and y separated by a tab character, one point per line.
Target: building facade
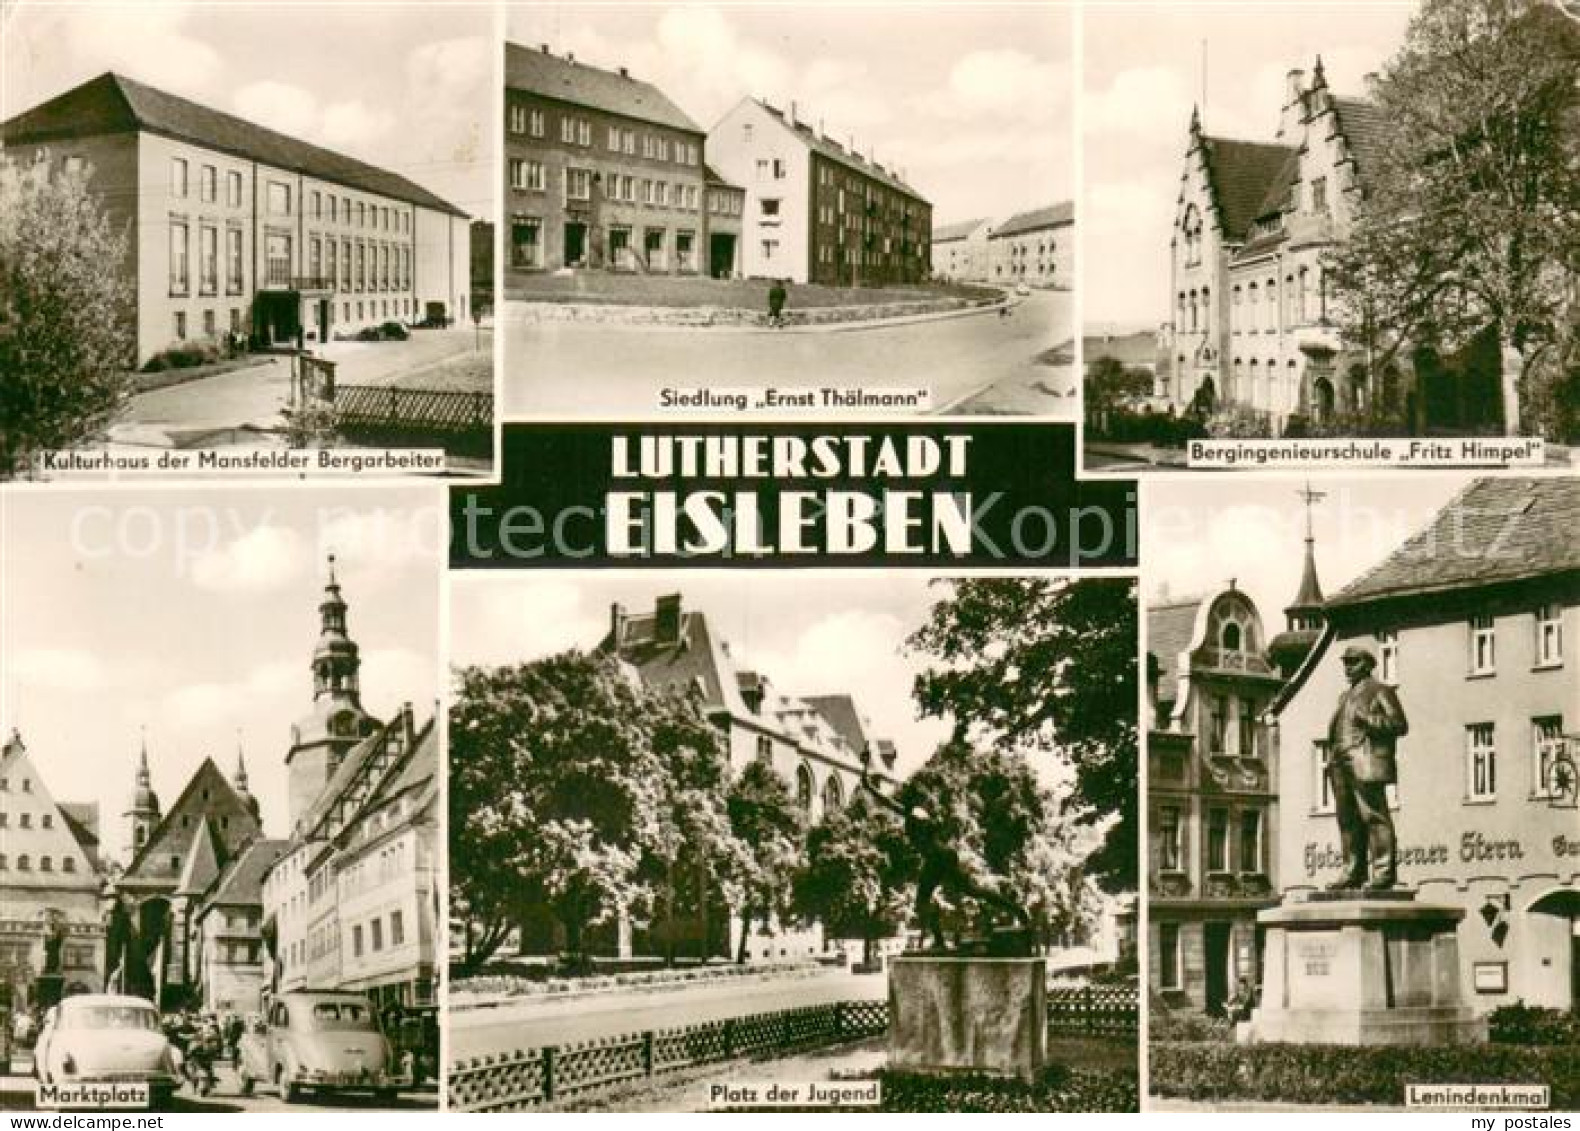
1212	799
51	928
235	230
815	210
228	946
1473	620
601	171
960	251
1036	248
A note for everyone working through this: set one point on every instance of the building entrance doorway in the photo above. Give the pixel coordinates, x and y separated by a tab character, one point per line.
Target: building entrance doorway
575	244
278	317
1216	959
620	249
1554	929
721	255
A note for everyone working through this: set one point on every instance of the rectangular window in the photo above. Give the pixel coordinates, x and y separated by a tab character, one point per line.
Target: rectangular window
535	123
376	929
277	259
318	205
356	942
234	280
397	929
208	184
568	130
628	143
209	327
1169	838
1247	728
180	279
1388	656
1319	195
1217	724
578	184
518	119
1483	645
662	193
330	266
584	133
181	336
1549	635
233	189
208	260
1251	841
1322	787
1170	976
1547	743
1481	762
1218	840
178	176
614	139
279	199
526	241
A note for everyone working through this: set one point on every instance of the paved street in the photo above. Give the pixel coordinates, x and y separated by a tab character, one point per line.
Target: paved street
538	1022
256	394
978	363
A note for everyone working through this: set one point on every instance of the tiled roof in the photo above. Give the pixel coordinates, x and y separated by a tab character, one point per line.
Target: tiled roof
842	715
1495	530
957	231
113	103
241	883
1361	123
542	72
1055	215
834	151
1241	173
1170	627
200	864
694	659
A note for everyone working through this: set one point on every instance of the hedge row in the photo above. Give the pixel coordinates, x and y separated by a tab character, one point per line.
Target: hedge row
1058	1089
1333	1074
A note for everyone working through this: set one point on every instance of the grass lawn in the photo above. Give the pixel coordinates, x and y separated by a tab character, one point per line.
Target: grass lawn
733	294
162	379
471	372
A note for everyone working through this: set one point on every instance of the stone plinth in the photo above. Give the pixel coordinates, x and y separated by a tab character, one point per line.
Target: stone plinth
1372	969
950	1015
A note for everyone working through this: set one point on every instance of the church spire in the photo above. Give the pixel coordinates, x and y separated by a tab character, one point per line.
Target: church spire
239	778
336	663
142	816
1304	616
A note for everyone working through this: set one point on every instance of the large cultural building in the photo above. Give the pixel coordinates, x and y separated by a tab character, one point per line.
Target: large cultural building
1474	620
1253	321
235	229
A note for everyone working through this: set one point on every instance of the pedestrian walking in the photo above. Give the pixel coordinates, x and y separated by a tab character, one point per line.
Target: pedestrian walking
777	296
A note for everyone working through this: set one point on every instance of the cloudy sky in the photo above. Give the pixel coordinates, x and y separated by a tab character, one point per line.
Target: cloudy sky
409	88
972	102
1143	73
1199	533
810	633
194	613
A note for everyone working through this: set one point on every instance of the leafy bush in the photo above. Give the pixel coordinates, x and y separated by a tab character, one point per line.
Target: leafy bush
1189	1026
1334	1074
1157	428
1521	1024
1057	1089
1237	422
184	355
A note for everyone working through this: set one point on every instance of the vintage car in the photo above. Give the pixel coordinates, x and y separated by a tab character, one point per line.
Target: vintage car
106	1038
319	1040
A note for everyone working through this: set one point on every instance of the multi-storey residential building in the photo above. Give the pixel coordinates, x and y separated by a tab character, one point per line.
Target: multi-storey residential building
228	944
601	170
818	211
726	204
1474	621
1036	248
960	251
51	929
234	229
1212	800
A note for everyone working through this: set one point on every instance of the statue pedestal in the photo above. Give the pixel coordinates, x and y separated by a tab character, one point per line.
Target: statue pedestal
955	1015
1353	968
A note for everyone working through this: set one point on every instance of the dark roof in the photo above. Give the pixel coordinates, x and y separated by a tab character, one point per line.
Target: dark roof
241	883
691	660
834	151
149	865
841	713
1240	173
957	231
113	103
1361	123
1494	531
542	72
1053	216
712	177
1170	627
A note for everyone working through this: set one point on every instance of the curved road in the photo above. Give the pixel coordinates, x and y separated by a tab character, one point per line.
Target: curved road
976	363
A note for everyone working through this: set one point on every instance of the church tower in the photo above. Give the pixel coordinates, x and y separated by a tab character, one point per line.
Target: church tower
142	815
239	779
1304	616
336	722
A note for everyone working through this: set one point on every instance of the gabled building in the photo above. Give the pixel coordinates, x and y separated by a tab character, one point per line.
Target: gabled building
227	932
51	931
1474	621
818	211
236	229
1035	247
960	251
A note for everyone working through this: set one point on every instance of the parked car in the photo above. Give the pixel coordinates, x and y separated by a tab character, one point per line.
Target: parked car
319	1040
1022	289
106	1038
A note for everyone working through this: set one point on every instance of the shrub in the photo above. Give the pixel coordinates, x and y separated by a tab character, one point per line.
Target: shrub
1237	422
1521	1024
1192	1027
184	355
393	332
1334	1074
1057	1089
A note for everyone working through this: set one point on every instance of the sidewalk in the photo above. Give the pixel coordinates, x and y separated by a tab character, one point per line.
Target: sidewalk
727	320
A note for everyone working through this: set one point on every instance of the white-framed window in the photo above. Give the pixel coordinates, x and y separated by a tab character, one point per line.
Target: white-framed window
1250	841
1388	655
1481	762
578	184
1547	742
1217	840
1321	785
279	199
526	241
233	189
178	176
518	119
535	123
583	132
614	139
1169	838
208	184
568	130
1549	643
208	260
1483	656
526	176
180	253
661	190
1171	975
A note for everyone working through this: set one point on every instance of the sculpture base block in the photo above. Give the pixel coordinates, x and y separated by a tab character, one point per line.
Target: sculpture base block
954	1015
1364	971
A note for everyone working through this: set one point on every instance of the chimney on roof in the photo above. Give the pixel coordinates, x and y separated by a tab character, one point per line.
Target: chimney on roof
1294	111
570	57
666	628
625	72
544	47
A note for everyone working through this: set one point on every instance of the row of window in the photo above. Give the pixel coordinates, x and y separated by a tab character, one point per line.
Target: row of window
1547	640
1256	306
210	318
5	785
278	199
238	953
25	820
533	122
375	934
378	308
526	246
1249	860
24	863
532	176
208	259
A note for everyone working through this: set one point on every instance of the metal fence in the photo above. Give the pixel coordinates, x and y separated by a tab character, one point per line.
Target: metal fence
517	1081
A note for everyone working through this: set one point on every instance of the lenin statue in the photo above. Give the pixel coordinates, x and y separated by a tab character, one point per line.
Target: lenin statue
1361	737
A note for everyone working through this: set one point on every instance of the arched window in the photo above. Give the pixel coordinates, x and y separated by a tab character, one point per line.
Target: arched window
1194	318
1191	228
803	787
1230	637
833	794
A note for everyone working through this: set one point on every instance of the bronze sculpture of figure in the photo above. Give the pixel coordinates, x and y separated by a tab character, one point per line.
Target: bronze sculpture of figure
1366	724
941	868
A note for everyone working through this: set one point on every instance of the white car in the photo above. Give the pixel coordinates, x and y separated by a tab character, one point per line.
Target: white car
106	1038
1022	289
